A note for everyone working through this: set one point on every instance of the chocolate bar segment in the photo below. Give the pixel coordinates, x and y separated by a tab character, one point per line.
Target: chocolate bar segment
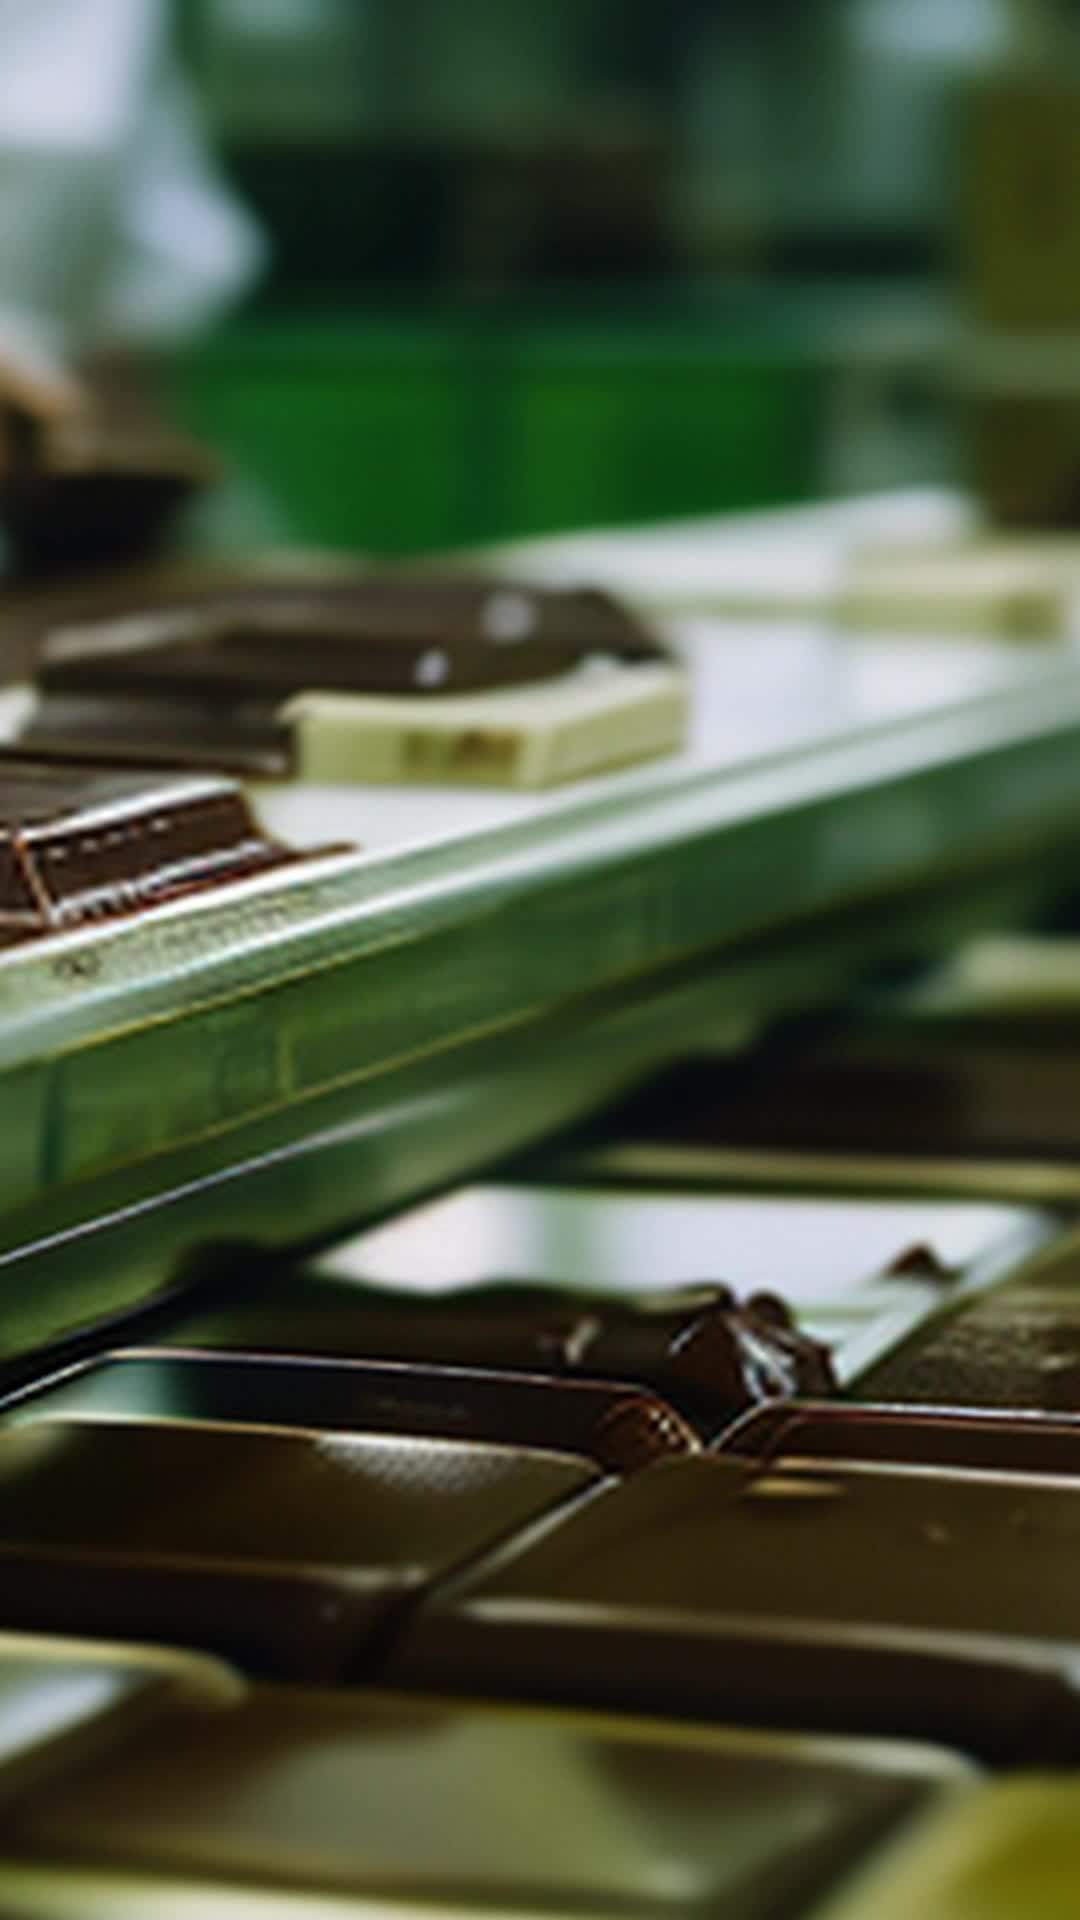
288	1552
619	1429
1017	1346
824	1286
214	673
933	1437
865	1598
877	1092
698	1348
79	846
446	1807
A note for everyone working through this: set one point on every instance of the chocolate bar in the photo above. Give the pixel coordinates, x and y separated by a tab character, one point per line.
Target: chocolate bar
699	1349
290	1797
78	845
390	676
936	1437
902	1089
1016	1346
620	1429
287	1551
860	1597
856	1276
899	1106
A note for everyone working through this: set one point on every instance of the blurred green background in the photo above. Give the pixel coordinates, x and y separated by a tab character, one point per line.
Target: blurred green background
399	431
540	263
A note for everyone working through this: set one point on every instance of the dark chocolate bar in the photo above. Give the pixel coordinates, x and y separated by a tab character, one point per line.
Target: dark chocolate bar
893	1090
447	1807
942	1437
286	1551
620	1429
865	1597
1015	1346
78	845
206	676
697	1348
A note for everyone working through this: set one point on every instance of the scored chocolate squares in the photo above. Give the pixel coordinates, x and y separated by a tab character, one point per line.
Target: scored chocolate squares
80	845
619	1429
288	1797
848	1596
1016	1346
289	1552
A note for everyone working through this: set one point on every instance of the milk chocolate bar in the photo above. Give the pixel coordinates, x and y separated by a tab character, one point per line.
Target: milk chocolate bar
289	1552
620	1429
698	1349
450	1808
373	678
78	845
825	1594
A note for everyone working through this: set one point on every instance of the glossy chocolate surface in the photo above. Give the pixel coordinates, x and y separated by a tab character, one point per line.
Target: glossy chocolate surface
698	1348
438	1805
286	1551
940	1605
892	1090
212	672
618	1428
78	845
942	1437
1015	1346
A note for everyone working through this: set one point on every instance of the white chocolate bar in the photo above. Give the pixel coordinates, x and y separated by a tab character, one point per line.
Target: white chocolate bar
535	736
1000	586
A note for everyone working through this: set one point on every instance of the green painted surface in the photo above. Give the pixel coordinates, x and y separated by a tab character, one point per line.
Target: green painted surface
419	434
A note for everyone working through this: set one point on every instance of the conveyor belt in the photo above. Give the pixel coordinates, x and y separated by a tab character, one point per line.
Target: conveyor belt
875	799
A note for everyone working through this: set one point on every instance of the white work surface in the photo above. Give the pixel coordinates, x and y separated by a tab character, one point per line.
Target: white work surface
765	681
